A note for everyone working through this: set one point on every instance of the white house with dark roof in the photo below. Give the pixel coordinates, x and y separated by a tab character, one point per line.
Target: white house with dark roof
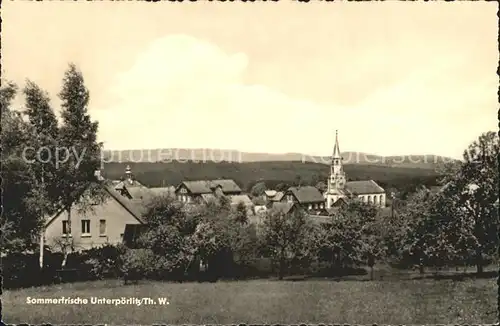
105	224
367	191
196	190
308	197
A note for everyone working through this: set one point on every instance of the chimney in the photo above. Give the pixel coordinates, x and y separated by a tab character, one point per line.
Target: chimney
98	175
128	174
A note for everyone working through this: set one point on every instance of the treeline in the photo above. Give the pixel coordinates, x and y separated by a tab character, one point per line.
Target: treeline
272	173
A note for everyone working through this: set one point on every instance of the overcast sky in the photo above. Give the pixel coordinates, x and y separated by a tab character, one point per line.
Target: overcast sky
393	78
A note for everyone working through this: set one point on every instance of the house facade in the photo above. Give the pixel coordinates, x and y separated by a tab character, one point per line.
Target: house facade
307	197
203	190
338	187
103	224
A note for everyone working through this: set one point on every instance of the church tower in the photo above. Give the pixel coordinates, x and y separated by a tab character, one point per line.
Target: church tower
336	181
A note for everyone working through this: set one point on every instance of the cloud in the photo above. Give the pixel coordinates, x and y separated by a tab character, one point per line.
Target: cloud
187	92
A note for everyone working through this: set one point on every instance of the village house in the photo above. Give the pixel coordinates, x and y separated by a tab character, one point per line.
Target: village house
199	191
286	208
308	197
106	222
272	195
103	224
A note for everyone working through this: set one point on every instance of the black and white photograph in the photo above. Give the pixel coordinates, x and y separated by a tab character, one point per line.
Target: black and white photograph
238	162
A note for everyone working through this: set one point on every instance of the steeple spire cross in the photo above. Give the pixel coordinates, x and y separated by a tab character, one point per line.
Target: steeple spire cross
336	149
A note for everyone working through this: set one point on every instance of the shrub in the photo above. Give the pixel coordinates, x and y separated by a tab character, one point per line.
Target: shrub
103	262
136	264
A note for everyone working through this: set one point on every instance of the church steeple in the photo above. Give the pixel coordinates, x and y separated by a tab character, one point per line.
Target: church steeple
337	179
336	166
336	149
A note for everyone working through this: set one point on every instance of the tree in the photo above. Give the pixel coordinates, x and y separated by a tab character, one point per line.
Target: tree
351	239
258	189
321	186
374	241
241	213
44	125
42	158
297	181
416	235
472	193
168	235
21	219
282	186
291	239
80	155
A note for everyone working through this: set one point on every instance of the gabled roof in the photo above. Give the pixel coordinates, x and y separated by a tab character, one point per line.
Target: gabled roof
198	187
278	196
364	187
236	199
163	191
283	208
129	183
307	194
270	193
339	202
141	193
208	197
134	207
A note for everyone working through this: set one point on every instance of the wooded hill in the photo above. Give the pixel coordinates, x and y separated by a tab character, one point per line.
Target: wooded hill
166	155
291	172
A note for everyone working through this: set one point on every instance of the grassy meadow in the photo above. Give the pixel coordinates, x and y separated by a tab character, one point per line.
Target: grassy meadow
422	301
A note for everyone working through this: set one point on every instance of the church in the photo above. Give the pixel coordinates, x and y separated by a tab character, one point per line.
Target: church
338	188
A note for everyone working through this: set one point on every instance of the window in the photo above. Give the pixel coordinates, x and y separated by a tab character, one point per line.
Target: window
85	227
310	206
66	228
321	206
102	227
